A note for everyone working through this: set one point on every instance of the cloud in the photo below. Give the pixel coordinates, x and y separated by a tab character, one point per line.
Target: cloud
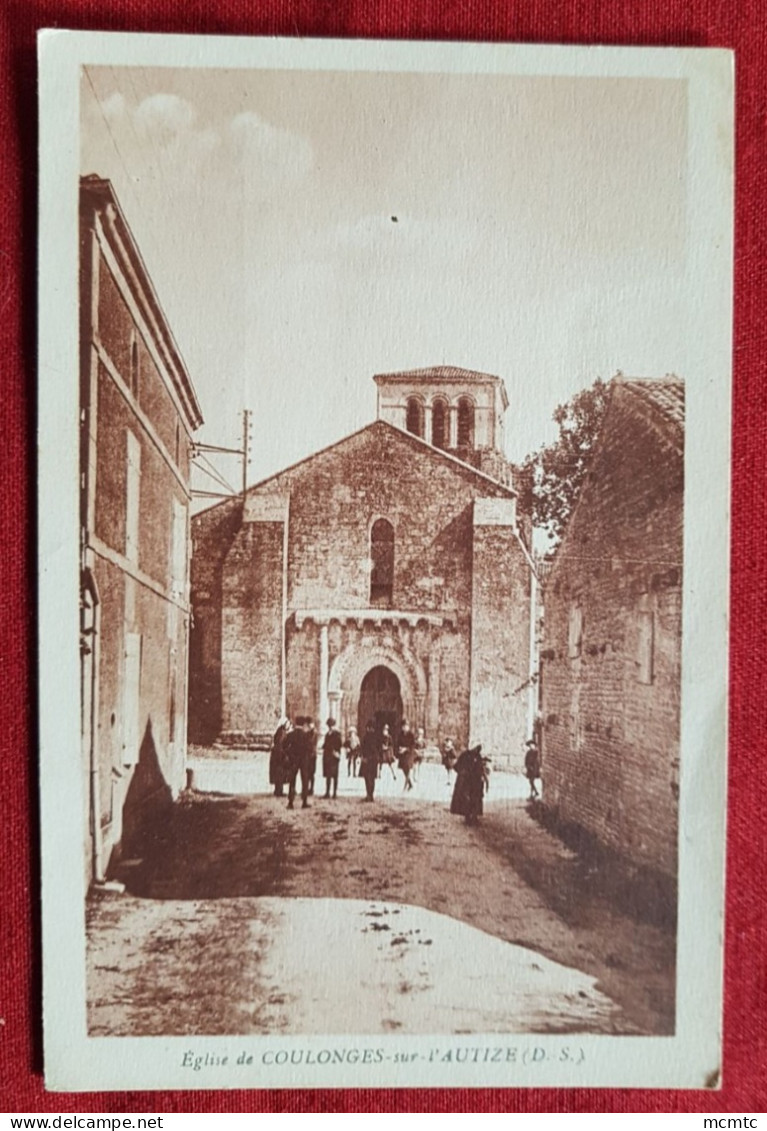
164	116
114	107
159	116
275	160
159	133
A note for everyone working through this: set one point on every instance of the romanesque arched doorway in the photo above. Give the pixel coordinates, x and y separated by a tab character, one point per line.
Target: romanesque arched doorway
380	700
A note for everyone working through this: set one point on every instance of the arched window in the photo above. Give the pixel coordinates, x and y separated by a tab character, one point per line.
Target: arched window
465	423
382	562
440	423
414	422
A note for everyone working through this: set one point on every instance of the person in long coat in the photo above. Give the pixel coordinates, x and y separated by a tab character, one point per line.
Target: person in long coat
369	760
406	753
277	773
314	742
300	757
331	758
471	781
532	766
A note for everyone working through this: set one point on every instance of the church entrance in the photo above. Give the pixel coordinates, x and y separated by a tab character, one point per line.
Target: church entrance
380	700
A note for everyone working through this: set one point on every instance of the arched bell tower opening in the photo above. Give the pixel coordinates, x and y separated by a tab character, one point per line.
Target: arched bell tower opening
380	701
414	416
440	423
459	411
465	423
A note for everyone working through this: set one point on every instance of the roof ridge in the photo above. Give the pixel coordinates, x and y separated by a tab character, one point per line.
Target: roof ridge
438	369
459	463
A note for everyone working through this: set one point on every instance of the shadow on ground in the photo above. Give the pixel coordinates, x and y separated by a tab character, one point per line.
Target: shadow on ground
507	876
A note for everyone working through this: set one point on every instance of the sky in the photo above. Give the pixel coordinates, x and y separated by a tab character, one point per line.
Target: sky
305	230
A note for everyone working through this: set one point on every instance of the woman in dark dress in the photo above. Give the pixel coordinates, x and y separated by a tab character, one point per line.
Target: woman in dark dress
471	781
532	766
406	762
277	770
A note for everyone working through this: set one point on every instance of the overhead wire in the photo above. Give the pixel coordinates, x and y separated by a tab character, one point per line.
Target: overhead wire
216	479
121	159
156	151
129	182
212	471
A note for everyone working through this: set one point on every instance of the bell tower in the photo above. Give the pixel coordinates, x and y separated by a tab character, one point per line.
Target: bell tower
457	410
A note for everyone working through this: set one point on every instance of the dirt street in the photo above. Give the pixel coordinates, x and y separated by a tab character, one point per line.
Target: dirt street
193	946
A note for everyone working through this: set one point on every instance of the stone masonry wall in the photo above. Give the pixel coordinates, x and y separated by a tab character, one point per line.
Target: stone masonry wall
378	473
442	653
611	699
139	737
500	634
252	628
213	532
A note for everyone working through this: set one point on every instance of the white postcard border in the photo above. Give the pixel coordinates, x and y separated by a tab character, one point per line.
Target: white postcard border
691	1058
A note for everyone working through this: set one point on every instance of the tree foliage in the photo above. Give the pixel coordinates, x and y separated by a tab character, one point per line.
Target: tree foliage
549	480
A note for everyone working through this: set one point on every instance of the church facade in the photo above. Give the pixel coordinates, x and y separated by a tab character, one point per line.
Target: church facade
385	577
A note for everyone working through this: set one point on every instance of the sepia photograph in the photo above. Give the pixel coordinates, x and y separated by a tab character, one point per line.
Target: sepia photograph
392	671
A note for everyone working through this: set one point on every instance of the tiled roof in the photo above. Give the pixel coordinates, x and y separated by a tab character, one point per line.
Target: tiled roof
445	372
664	393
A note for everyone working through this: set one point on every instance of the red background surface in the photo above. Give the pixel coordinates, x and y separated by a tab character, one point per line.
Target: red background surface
738	24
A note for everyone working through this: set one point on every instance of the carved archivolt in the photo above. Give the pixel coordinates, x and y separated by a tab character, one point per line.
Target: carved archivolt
352	665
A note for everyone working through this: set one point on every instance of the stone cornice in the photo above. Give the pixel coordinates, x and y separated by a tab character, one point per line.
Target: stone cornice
377	616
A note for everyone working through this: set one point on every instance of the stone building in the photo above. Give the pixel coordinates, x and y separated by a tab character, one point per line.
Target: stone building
138	411
611	659
381	578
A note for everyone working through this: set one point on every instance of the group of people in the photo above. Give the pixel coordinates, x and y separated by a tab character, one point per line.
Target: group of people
375	751
293	759
472	779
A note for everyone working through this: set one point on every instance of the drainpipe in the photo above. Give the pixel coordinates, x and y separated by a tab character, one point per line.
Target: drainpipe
90	638
324	666
532	702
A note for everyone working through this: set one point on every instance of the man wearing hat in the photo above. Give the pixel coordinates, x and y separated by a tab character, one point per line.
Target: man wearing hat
331	757
298	748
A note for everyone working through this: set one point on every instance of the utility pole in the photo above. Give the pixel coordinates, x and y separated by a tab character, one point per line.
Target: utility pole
200	459
245	448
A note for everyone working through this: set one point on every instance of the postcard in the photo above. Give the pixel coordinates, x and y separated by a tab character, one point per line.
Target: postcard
384	487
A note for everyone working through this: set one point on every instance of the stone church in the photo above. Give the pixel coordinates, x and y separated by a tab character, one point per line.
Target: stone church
385	577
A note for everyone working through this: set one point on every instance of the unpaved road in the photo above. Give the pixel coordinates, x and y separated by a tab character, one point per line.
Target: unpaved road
197	948
280	966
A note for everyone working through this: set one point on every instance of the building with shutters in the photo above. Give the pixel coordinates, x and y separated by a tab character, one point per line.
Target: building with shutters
138	413
384	577
612	649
